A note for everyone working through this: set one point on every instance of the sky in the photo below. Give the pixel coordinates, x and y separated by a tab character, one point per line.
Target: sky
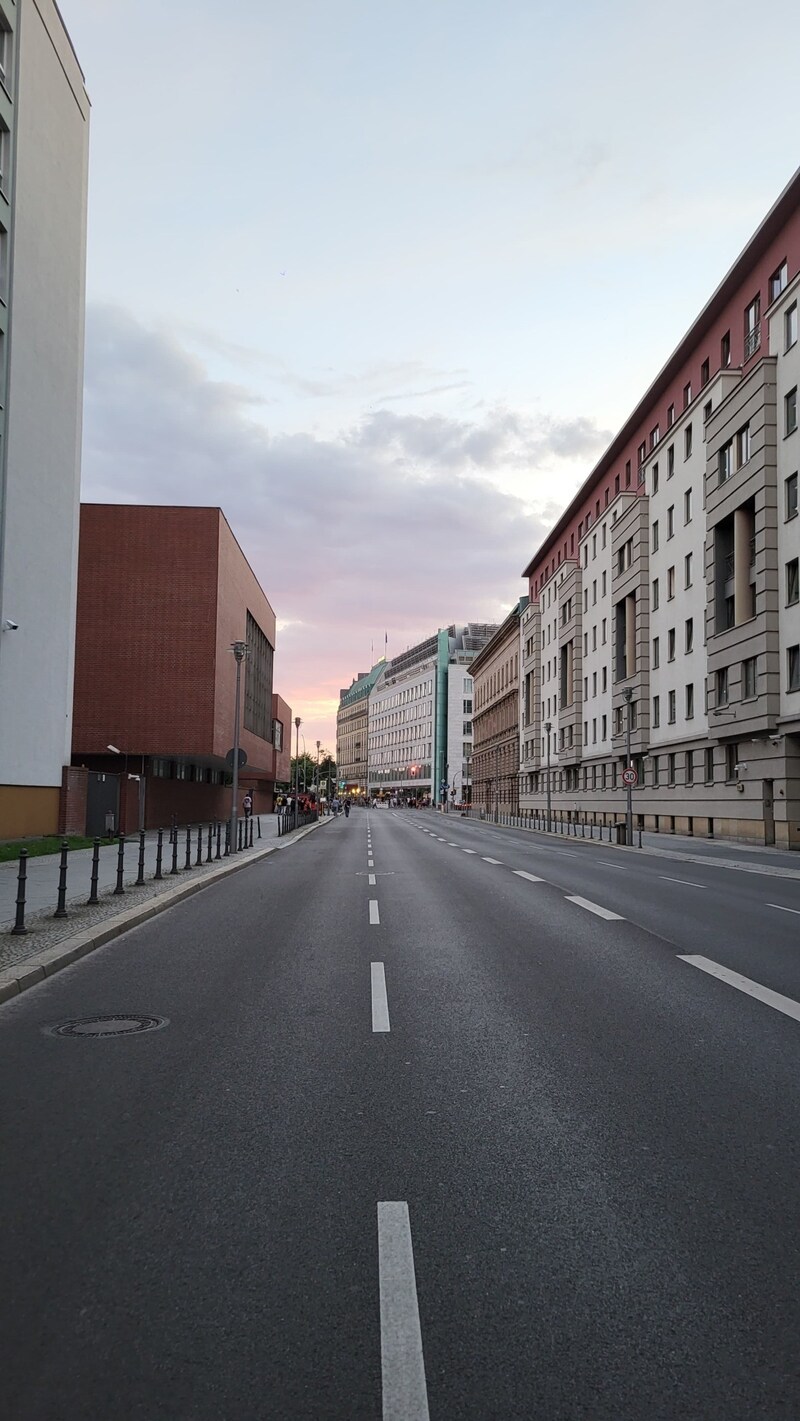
381	280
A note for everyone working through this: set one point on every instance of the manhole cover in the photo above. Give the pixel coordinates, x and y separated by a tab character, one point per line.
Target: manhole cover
120	1024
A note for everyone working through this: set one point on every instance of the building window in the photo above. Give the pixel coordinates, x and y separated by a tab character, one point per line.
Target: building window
161	769
687	570
689	633
743	446
628	473
725	350
671	522
687	506
687	396
778	281
687	442
604	678
670	583
671	766
277	735
616	484
654	598
708	410
790	327
731	761
258	682
792	582
655	653
725	462
655	478
182	771
722	686
656	770
655	537
671	644
671	707
690	701
4	150
690	767
793	668
752	327
655	435
5	55
708	767
790	411
791	496
749	678
656	713
670	461
670	416
705	372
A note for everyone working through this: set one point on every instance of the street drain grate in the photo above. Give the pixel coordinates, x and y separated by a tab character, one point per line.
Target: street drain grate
118	1024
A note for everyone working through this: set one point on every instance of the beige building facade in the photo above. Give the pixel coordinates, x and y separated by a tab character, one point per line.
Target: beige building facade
495	721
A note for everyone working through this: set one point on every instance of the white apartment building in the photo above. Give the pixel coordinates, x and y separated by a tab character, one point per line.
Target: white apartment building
669	590
44	135
420	717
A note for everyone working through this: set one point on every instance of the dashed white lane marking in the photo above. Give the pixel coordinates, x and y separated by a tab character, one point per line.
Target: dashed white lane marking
380	1002
405	1390
374	915
498	861
595	908
783	908
372	880
685	881
370	863
744	984
531	877
469	851
451	845
609	864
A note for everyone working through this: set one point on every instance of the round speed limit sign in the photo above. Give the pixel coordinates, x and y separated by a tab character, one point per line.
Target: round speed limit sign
629	776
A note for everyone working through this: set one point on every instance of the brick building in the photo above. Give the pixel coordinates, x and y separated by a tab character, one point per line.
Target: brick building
162	595
495	721
668	592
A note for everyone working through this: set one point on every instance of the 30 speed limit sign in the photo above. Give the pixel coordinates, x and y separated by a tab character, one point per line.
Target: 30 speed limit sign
629	776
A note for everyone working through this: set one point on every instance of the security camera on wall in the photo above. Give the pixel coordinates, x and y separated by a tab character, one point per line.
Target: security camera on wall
9	626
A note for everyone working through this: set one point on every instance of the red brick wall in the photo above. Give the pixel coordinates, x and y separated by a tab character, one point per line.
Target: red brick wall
283	712
238	593
72	804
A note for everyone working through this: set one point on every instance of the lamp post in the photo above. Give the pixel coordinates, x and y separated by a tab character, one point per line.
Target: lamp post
240	650
628	694
141	780
297	723
318	744
547	728
496	784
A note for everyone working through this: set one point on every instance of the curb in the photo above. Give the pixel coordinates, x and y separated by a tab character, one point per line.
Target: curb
19	978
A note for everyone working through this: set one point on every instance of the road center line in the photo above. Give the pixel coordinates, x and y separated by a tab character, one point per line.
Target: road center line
380	1002
493	861
783	908
405	1391
685	881
372	880
370	863
531	877
744	984
451	845
596	908
469	851
609	864
374	915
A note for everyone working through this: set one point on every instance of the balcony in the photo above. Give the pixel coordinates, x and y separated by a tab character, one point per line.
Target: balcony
752	341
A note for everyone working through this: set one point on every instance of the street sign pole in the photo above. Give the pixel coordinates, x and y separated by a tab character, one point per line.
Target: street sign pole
239	650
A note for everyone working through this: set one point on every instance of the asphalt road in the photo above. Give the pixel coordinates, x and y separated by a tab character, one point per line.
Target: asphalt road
444	1144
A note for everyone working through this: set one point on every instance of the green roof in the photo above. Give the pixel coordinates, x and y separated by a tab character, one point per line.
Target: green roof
362	686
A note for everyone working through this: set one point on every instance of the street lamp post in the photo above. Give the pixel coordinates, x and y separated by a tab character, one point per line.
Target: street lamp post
628	694
547	728
239	649
496	784
141	779
297	723
318	745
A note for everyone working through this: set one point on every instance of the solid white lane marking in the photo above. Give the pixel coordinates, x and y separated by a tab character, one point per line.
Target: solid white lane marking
405	1391
374	915
531	877
492	860
372	880
380	1001
469	851
783	908
685	881
744	984
595	908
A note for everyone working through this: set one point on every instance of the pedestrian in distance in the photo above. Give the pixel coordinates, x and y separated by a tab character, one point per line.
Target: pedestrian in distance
247	805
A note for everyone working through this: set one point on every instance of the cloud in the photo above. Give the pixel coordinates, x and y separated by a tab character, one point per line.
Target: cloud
397	525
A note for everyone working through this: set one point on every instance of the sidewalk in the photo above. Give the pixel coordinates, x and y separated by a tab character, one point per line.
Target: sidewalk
52	943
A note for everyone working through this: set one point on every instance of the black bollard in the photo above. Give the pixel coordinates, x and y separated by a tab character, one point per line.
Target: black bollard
61	906
239	838
227	837
93	898
208	853
251	833
159	852
22	878
187	862
259	826
199	858
140	876
174	870
219	841
120	864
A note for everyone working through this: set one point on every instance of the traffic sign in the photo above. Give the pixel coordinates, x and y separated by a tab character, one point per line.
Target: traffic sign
242	759
629	776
